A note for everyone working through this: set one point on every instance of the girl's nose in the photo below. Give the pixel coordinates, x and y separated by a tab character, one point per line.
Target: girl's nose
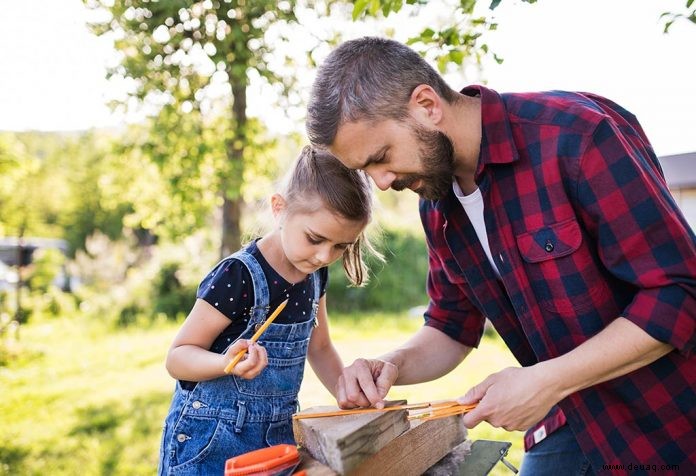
324	255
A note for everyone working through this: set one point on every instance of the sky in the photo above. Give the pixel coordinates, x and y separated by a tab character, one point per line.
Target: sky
52	70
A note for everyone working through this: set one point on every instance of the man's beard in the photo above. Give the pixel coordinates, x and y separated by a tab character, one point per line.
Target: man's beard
436	154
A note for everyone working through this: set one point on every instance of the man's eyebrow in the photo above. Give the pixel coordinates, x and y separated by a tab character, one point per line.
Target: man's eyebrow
374	157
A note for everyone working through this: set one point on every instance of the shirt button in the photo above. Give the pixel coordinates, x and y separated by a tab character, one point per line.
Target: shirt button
548	247
196	405
180	437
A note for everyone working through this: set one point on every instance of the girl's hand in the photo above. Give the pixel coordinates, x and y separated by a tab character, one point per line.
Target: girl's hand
253	362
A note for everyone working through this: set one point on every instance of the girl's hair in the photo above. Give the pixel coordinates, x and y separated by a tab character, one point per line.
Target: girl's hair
319	175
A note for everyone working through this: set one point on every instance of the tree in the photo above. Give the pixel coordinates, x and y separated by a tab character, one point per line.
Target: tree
449	44
183	53
690	14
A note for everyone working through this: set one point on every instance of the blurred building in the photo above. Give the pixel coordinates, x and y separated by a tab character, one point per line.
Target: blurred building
680	173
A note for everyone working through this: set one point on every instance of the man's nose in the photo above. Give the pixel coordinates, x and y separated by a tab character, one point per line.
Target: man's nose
382	179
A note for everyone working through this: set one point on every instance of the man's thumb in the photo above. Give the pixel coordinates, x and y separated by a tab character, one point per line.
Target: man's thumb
474	394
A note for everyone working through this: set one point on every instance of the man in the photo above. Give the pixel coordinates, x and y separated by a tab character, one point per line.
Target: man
548	214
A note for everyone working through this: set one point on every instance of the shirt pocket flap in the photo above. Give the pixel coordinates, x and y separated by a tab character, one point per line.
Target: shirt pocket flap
552	241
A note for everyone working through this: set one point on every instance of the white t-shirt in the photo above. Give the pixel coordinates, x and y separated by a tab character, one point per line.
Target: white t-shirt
473	206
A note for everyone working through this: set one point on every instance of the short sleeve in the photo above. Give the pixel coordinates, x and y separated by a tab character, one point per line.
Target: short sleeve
228	288
323	280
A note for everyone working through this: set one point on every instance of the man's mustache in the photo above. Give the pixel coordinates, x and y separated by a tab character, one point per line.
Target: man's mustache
404	183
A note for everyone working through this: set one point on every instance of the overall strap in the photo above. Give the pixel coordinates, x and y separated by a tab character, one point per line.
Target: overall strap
316	280
259	311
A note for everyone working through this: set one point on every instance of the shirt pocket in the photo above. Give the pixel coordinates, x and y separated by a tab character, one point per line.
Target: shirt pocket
560	268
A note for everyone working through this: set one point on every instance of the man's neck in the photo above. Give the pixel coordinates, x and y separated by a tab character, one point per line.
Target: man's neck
463	126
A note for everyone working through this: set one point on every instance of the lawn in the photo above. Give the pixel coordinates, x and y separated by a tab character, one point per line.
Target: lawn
84	399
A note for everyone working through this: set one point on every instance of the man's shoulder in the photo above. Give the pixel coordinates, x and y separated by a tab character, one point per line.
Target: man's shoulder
563	109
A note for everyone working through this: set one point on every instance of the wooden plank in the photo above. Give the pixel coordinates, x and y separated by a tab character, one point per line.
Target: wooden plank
343	442
313	467
416	450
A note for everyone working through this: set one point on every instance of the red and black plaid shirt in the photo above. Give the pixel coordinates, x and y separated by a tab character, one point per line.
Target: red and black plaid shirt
582	229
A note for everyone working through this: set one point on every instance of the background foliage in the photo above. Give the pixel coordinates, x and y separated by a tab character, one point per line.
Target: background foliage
141	213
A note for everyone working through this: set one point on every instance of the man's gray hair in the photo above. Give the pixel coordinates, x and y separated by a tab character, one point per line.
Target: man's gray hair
367	79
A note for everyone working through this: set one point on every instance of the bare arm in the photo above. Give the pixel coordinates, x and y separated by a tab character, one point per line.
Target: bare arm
516	398
322	354
189	357
429	354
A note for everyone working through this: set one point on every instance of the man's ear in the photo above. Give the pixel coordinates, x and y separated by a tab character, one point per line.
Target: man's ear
425	105
278	204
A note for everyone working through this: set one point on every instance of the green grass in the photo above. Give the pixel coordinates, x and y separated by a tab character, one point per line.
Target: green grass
88	400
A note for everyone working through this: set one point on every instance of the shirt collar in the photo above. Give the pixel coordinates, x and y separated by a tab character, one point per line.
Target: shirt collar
497	144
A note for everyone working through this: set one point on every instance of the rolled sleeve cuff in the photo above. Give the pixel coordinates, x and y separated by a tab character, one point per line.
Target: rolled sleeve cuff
667	314
466	330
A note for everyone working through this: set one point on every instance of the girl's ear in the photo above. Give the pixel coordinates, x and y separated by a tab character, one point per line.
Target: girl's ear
278	204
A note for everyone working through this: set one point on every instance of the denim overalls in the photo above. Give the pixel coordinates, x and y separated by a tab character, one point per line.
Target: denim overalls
222	418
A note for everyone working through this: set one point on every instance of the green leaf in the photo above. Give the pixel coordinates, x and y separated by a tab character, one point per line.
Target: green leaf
374	7
494	4
442	63
359	8
456	56
689	3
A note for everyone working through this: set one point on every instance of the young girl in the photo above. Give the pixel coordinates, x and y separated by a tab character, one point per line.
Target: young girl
319	218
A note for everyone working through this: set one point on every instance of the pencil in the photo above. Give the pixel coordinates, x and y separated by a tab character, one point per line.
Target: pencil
255	337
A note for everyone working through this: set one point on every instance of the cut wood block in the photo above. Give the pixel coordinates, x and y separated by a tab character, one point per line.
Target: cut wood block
313	467
343	442
416	450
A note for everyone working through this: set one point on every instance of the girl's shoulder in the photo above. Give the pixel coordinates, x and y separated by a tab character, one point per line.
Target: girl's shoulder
229	270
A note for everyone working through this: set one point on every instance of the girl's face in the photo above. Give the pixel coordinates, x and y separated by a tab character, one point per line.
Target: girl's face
312	240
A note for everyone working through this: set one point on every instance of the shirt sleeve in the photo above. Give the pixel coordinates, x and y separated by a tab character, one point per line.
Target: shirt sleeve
323	280
449	309
642	236
228	288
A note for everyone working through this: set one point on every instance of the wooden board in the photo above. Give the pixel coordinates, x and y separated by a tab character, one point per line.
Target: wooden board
313	467
416	450
344	442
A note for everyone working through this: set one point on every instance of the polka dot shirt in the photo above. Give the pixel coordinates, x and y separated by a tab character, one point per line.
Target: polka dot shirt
228	288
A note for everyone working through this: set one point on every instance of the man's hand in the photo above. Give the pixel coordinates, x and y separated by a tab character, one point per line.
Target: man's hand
513	399
365	383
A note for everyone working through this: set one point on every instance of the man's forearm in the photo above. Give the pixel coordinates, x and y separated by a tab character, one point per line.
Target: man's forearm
620	348
428	355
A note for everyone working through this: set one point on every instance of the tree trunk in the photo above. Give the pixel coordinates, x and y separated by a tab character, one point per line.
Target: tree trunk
232	198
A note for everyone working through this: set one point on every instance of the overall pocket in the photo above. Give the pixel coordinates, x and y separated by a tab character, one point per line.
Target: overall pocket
281	378
194	439
280	432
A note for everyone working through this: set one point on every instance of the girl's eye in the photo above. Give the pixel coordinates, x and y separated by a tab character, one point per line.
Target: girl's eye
313	241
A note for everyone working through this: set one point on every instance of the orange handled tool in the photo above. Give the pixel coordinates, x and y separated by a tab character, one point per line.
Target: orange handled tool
266	461
256	336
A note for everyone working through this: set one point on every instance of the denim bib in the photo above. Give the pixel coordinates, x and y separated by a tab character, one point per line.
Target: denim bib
225	417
